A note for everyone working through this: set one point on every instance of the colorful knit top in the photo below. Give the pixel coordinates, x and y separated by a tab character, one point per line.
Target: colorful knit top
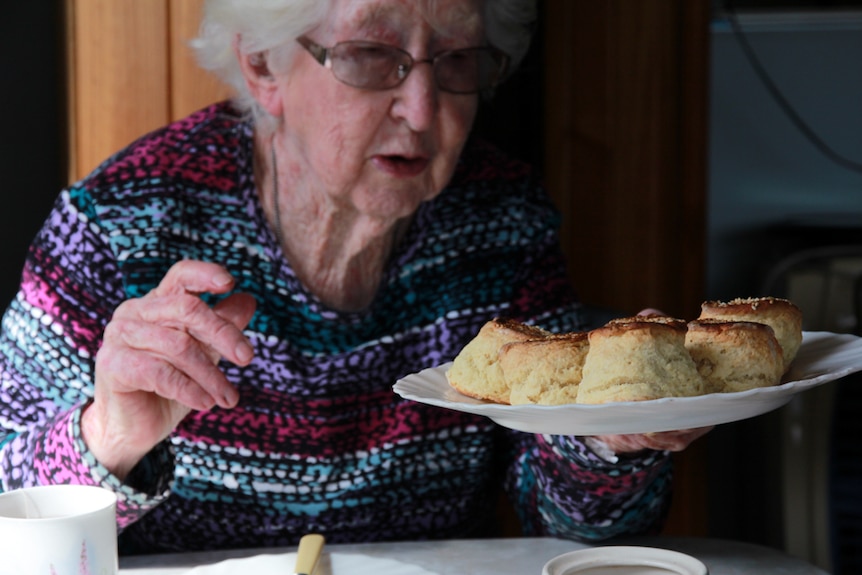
319	440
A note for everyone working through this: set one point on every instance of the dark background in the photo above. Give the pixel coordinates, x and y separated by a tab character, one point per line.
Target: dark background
32	153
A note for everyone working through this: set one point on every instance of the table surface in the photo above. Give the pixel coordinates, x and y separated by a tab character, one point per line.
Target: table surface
516	556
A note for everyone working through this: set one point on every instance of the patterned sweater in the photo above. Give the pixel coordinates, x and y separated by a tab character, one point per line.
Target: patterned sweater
319	441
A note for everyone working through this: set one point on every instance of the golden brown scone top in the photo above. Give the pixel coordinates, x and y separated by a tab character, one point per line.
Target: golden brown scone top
782	315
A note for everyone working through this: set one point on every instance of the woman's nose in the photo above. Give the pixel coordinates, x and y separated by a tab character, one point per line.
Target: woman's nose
416	98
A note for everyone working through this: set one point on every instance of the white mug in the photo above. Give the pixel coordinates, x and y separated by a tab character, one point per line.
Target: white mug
58	530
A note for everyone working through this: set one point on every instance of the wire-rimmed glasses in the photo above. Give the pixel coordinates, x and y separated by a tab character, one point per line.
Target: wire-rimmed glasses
374	66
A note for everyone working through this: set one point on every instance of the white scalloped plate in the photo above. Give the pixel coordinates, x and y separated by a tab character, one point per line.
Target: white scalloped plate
330	564
822	357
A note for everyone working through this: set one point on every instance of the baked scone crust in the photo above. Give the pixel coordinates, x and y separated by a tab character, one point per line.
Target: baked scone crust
734	355
638	360
782	315
476	372
545	371
674	322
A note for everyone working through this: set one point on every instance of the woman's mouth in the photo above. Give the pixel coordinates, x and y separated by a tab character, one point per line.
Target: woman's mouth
401	166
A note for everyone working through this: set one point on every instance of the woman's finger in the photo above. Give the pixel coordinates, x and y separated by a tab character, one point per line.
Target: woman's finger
662	441
131	371
190	314
651	311
146	344
675	440
194	277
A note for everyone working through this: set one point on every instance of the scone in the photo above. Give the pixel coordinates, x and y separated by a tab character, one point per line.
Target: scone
781	315
638	360
476	372
652	318
545	371
734	355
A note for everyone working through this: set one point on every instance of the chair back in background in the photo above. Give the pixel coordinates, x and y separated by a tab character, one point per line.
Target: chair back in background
821	451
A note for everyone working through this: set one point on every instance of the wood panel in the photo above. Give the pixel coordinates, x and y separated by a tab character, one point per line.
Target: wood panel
118	76
191	87
625	140
626	145
131	70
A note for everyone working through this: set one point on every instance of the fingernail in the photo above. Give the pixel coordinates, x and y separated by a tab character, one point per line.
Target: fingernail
230	399
223	279
244	352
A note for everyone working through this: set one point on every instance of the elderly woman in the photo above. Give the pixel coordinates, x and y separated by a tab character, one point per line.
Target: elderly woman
210	324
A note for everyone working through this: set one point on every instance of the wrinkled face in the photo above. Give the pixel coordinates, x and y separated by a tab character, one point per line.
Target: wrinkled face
380	153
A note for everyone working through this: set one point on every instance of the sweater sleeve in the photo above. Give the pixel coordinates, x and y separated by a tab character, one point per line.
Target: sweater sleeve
562	488
48	342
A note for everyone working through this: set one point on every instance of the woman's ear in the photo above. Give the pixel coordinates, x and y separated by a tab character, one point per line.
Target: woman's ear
259	79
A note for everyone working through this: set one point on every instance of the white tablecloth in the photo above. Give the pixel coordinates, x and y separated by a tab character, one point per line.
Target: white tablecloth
519	556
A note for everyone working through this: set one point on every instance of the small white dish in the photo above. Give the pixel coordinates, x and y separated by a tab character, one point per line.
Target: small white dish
624	560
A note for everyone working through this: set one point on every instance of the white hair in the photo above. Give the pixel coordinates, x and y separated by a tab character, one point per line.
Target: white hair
273	25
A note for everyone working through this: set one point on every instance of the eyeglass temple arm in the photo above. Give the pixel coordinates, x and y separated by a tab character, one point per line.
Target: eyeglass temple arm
318	52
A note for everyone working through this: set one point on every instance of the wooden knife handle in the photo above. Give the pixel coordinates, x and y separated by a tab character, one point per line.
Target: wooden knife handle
310	547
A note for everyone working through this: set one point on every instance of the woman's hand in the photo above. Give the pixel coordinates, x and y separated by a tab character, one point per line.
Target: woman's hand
665	440
158	361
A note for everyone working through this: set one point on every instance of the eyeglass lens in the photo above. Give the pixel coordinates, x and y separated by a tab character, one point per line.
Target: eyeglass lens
379	67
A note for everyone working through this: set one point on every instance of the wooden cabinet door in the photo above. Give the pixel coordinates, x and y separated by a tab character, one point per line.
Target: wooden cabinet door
626	146
130	71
